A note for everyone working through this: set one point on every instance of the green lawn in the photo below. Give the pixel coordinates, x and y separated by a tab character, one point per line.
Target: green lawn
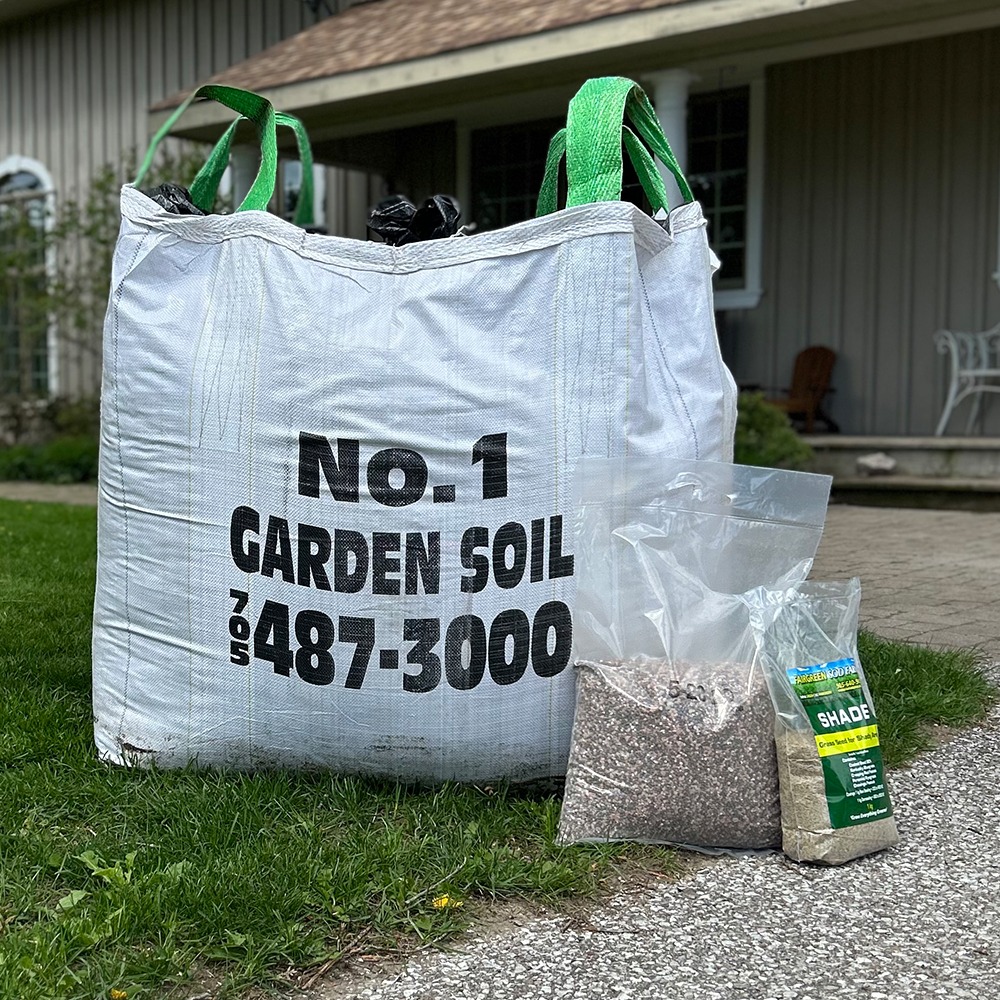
111	879
915	689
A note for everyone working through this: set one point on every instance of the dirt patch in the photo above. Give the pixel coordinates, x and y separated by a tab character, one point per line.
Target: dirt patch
502	918
78	494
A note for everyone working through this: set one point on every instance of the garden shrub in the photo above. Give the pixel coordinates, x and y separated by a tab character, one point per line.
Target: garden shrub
62	460
765	436
64	417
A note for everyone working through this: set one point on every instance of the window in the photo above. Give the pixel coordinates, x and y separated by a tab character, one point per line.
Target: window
507	164
724	168
25	191
289	190
718	156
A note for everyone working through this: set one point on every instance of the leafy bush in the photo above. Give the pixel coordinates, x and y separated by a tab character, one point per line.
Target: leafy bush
55	271
66	417
33	420
63	460
765	436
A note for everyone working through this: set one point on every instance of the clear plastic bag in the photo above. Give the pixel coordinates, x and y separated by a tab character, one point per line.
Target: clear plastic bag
673	731
834	801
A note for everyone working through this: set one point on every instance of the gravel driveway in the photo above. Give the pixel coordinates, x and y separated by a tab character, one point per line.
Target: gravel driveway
919	922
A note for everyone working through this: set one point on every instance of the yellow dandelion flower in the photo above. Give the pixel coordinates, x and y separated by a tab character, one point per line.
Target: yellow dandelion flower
446	903
119	995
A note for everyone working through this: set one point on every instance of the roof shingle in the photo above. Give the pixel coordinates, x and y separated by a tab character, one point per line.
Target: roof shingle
382	32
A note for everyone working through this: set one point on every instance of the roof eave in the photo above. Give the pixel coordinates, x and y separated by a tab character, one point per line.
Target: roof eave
638	42
596	40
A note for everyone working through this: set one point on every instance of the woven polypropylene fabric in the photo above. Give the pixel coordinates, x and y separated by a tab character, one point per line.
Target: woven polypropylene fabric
335	480
594	164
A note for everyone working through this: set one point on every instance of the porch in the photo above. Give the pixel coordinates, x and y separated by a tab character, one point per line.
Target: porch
953	473
846	155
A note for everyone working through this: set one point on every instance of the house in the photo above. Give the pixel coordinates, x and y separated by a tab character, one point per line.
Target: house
846	152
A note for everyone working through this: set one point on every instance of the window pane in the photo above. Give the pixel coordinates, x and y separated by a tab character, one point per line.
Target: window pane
538	143
733	152
702	119
734	112
507	164
718	140
702	156
22	180
22	228
488	213
732	227
23	309
290	188
711	219
733	189
730	275
703	187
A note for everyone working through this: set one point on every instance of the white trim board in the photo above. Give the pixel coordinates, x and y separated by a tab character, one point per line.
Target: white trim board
748	297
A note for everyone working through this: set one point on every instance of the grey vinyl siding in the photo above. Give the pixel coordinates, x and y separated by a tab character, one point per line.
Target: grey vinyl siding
881	217
76	84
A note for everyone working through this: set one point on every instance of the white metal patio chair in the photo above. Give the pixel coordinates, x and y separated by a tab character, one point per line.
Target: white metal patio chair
975	370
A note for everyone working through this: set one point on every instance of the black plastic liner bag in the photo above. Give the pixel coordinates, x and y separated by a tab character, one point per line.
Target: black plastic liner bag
673	730
834	800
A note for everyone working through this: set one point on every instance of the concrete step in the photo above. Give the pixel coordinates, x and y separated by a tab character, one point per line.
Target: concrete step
959	460
930	492
952	484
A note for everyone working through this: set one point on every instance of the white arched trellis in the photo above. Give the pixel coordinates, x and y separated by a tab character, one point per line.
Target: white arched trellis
47	190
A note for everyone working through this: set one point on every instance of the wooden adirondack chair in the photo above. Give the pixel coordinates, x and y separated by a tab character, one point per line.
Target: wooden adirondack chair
803	401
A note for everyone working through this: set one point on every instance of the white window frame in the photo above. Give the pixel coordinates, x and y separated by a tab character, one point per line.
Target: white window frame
748	297
25	164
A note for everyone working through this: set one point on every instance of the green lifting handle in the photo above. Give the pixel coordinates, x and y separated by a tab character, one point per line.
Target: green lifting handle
593	144
206	183
649	176
249	105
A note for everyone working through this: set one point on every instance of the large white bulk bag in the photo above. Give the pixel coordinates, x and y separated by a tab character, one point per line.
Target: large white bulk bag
336	475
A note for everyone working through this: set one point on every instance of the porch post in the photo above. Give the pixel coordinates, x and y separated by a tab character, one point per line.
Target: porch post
245	161
669	93
996	273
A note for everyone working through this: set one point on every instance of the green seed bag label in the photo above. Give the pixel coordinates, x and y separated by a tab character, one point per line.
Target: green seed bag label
846	739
